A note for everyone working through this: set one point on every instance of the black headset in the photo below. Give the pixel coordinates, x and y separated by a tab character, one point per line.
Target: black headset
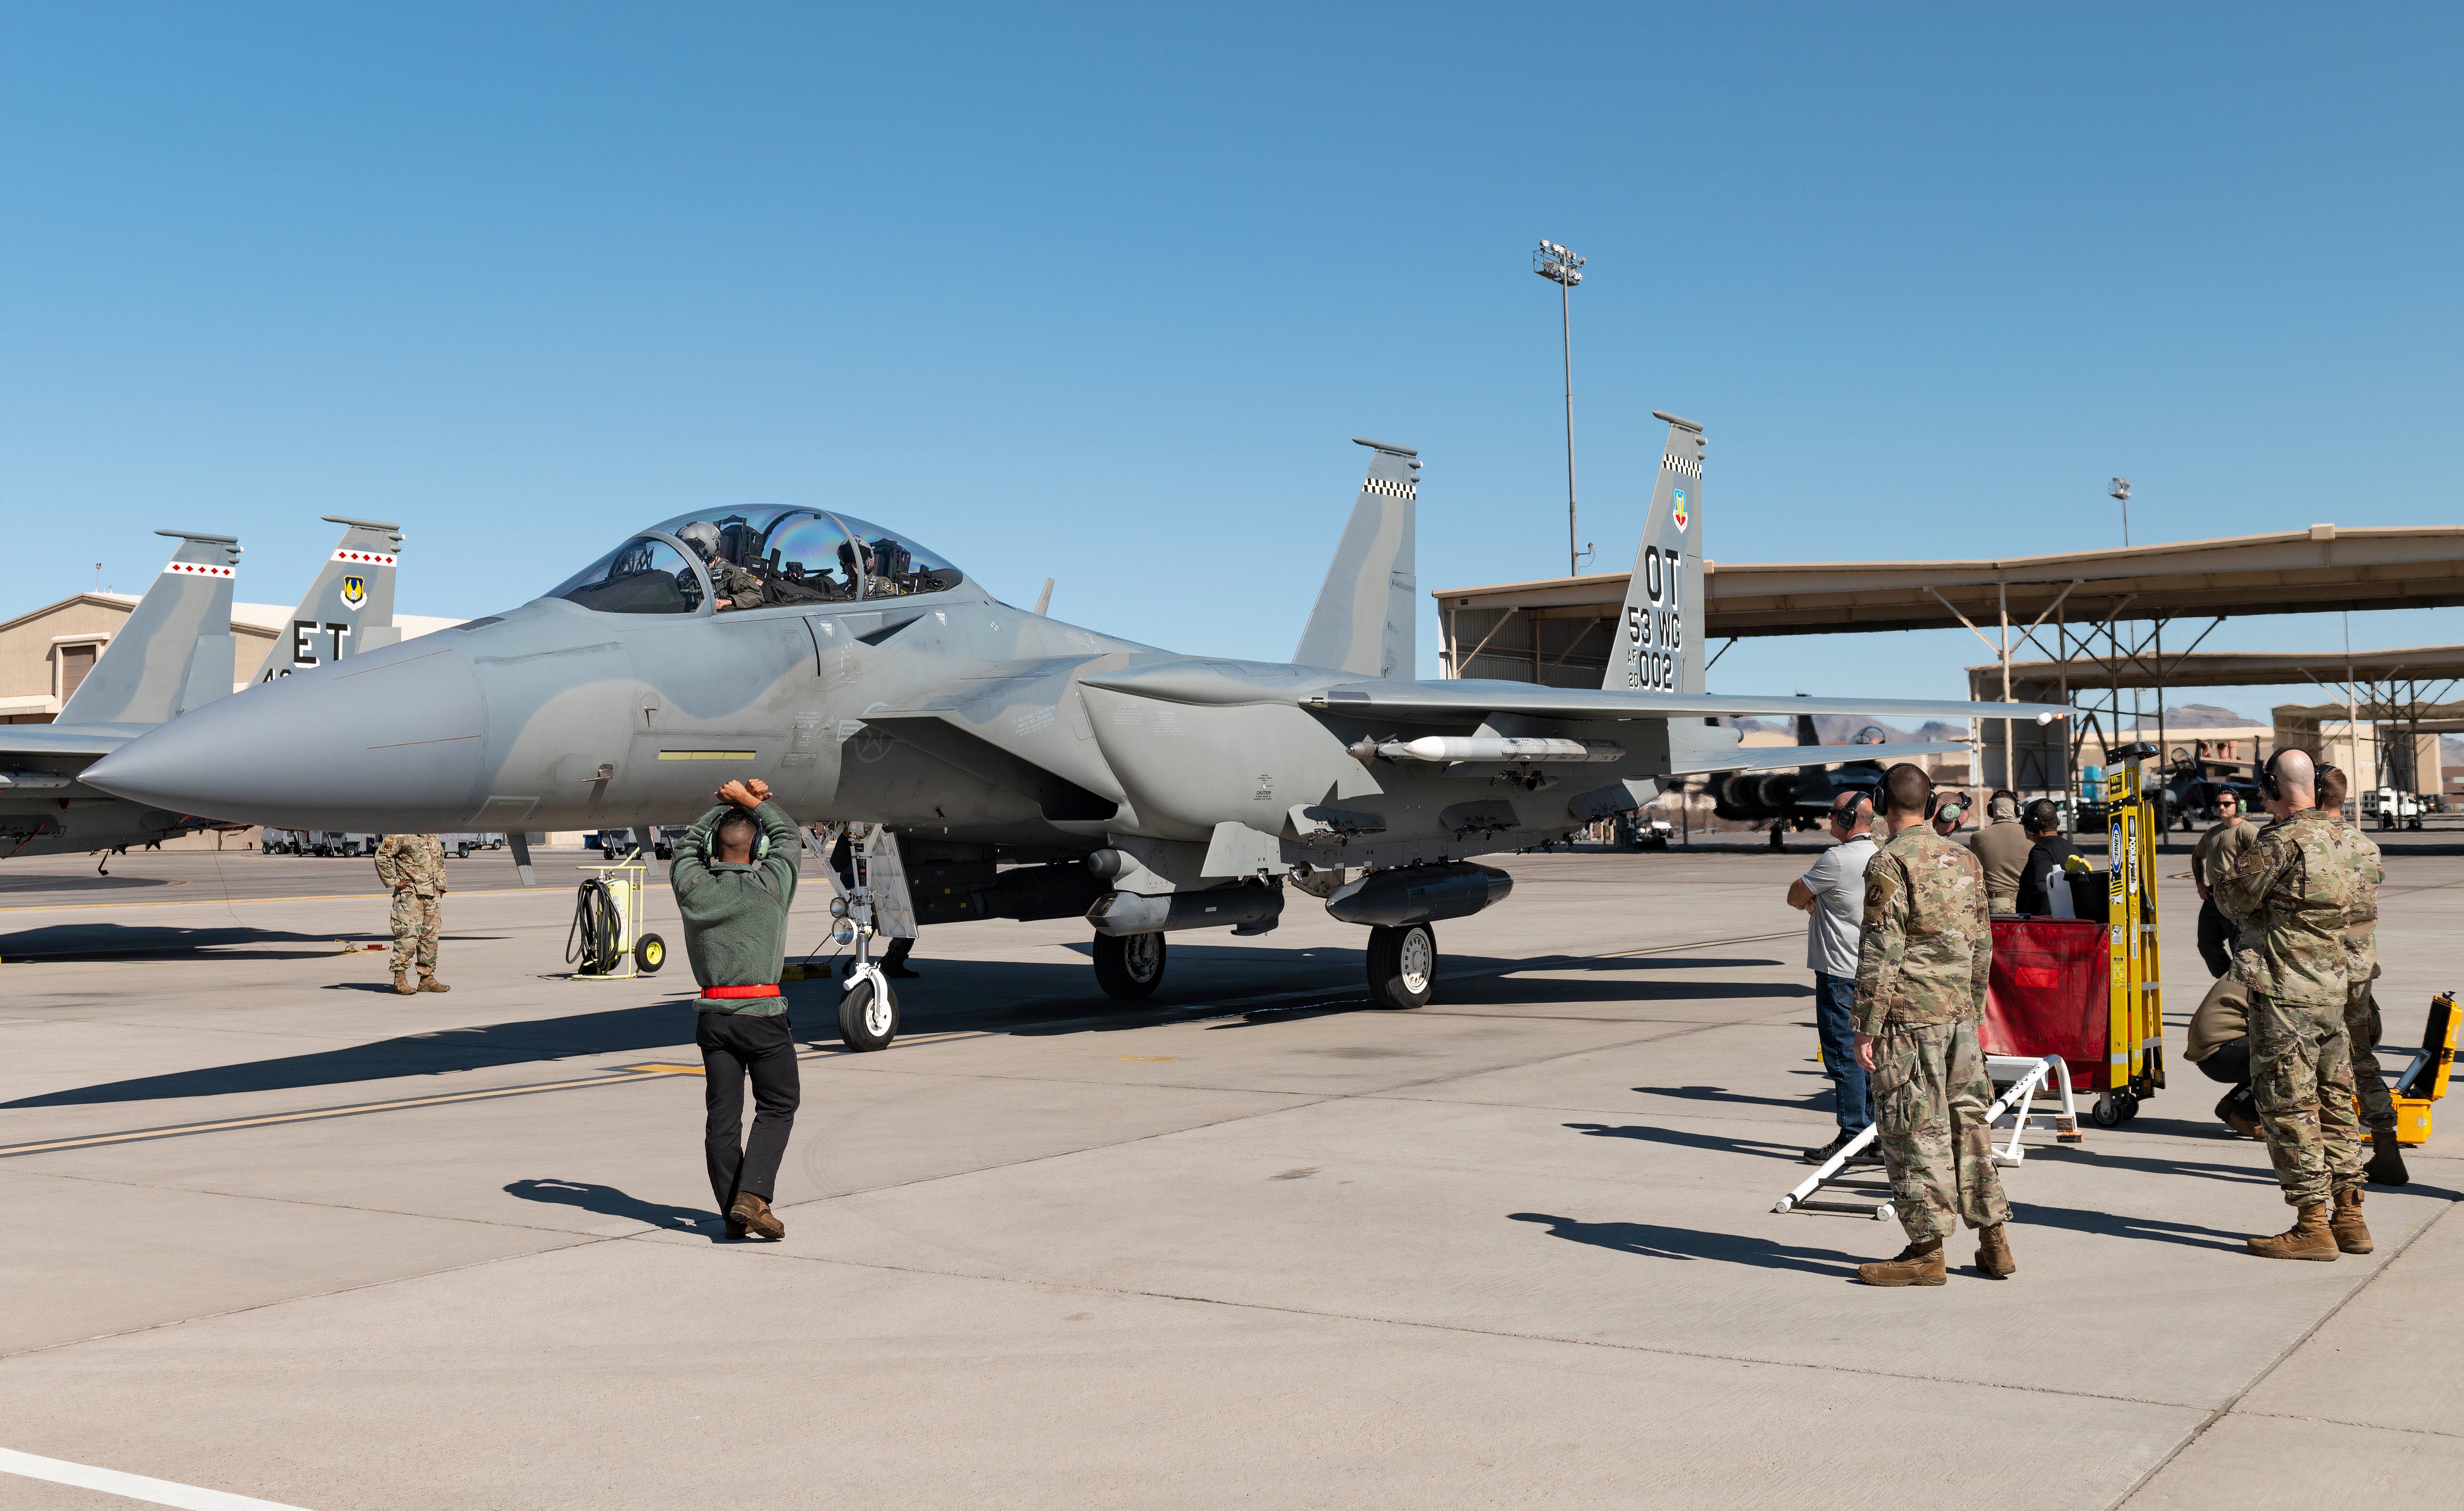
2042	814
2267	787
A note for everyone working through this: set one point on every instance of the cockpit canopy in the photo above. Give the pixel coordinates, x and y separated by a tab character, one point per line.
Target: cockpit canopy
758	556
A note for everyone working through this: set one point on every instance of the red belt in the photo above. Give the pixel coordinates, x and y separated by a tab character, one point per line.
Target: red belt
709	993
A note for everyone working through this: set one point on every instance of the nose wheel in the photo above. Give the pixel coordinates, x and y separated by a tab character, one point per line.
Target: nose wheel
1129	966
868	1013
1402	965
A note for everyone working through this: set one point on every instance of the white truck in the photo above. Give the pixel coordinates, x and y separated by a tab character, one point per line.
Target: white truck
2392	807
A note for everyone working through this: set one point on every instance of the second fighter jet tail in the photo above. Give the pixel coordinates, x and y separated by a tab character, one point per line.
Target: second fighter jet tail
349	607
175	651
1363	619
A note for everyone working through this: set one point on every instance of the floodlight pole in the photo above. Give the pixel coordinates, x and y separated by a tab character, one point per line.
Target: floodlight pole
1565	269
2121	490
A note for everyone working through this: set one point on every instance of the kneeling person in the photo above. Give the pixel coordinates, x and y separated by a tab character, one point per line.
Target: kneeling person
735	875
1923	962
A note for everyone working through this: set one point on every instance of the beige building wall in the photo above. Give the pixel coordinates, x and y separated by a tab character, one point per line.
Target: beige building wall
31	647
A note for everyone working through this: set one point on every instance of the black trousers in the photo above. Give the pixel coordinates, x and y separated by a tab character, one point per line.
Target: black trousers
2216	933
2230	1063
733	1049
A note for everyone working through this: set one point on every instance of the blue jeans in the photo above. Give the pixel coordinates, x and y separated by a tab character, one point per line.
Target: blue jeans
1834	1001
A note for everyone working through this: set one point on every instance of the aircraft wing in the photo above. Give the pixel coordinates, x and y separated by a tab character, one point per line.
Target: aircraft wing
1769	758
1471	698
92	742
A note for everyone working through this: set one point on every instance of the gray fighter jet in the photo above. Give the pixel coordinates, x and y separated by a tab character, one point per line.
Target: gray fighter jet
171	657
1016	765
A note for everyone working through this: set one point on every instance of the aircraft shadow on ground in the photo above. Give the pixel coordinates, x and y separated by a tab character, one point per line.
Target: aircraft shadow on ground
158	941
1031	999
607	1201
1650	1241
618	1030
75	881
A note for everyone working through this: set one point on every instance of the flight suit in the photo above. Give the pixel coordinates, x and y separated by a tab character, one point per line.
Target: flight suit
2002	848
1923	963
413	865
737	589
2211	861
2295	884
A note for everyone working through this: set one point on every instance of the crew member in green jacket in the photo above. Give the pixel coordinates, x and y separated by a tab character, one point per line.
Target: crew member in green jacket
734	877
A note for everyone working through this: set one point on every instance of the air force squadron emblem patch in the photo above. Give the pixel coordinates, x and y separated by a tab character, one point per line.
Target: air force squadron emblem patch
354	590
1677	515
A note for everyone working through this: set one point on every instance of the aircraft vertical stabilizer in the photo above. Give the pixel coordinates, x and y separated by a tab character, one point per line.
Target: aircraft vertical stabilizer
1365	611
1660	636
349	607
145	675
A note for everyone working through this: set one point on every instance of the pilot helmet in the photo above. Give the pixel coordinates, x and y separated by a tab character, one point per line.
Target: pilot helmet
703	537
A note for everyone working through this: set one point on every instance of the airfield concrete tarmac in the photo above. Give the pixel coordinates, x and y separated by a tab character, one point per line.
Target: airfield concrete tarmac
1250	1242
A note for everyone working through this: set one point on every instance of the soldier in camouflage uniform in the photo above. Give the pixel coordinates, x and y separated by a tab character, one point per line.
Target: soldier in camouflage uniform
2362	1023
1922	968
413	865
2294	885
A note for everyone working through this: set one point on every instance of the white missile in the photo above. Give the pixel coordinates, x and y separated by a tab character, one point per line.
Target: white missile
1442	749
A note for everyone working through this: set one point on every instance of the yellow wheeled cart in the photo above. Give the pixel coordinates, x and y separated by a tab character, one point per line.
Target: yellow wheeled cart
607	942
2134	1068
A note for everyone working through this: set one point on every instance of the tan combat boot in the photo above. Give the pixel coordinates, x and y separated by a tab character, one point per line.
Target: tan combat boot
2387	1160
756	1216
402	986
2308	1238
2352	1234
1917	1264
432	983
1993	1254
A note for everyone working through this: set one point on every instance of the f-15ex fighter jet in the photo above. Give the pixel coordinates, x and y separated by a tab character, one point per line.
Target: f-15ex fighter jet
869	680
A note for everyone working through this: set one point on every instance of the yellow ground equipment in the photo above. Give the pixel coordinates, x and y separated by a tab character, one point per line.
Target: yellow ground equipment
2135	1004
607	942
2425	1080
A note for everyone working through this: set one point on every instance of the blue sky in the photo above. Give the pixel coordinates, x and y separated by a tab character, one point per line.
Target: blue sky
1102	292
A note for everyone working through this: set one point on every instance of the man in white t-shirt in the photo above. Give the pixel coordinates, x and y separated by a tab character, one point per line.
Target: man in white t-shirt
1833	893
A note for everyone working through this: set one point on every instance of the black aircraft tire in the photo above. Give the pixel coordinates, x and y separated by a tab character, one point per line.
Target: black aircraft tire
1131	966
864	1023
1402	965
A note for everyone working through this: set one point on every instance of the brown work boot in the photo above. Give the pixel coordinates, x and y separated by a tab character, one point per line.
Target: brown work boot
756	1215
2352	1234
432	983
1917	1264
2387	1160
2308	1238
402	986
1993	1254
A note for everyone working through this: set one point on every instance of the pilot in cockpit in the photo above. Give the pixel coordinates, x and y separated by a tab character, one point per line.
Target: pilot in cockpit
738	588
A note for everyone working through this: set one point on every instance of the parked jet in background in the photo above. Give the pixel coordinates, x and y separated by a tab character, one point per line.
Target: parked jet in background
875	681
173	656
1799	799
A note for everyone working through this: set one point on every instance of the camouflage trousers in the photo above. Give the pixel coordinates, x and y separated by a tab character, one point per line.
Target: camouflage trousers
415	922
1930	1097
2369	1083
2302	1074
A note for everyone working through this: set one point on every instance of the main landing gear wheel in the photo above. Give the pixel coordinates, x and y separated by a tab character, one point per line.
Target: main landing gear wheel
1131	966
868	1014
650	953
1402	965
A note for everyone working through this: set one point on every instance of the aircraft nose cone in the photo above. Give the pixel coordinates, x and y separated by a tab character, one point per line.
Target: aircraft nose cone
388	741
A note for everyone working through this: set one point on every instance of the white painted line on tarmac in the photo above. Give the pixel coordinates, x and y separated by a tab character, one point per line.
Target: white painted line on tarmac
136	1487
